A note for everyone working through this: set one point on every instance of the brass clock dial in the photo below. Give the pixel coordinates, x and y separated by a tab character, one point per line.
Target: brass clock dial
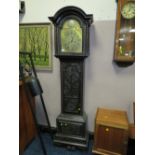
128	10
71	37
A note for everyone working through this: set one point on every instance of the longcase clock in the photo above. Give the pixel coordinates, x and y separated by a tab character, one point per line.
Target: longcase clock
124	51
72	47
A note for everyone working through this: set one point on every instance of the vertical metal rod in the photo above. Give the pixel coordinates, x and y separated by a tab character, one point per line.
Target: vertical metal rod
44	108
41	97
33	68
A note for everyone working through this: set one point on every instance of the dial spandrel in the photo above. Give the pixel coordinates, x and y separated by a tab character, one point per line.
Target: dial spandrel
71	37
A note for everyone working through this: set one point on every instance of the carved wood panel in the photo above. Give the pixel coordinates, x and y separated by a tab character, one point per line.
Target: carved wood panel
72	86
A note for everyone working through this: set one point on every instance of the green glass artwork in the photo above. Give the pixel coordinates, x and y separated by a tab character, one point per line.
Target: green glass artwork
71	37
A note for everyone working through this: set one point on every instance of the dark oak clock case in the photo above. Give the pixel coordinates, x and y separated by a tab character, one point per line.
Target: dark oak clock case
72	122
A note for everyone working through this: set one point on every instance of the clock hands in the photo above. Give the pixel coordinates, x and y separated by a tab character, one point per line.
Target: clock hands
128	10
71	37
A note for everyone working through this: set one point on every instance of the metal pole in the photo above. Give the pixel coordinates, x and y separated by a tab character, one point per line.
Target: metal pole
44	108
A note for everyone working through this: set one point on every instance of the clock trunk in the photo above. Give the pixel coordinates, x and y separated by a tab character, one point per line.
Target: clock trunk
72	86
72	122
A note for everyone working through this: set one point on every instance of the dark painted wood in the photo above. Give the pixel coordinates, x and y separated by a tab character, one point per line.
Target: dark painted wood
72	86
72	122
85	20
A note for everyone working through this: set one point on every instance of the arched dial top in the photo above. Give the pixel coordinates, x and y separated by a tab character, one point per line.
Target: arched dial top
71	32
71	10
71	36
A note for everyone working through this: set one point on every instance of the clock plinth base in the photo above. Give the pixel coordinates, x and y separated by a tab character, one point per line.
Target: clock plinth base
79	142
71	131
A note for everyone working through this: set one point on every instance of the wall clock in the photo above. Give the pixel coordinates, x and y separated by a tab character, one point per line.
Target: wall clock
72	47
128	10
124	51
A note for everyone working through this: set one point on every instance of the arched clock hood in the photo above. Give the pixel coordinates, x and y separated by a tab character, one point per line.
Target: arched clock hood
66	44
71	10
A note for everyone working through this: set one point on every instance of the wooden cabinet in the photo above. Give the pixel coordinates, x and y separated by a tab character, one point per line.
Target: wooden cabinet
111	132
27	128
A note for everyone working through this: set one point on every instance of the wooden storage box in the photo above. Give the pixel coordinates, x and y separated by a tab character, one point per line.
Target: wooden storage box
111	132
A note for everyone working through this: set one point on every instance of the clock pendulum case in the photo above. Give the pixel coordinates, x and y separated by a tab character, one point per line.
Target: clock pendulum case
72	47
124	52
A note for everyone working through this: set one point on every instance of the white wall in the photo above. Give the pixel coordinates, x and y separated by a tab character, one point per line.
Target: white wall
39	10
106	84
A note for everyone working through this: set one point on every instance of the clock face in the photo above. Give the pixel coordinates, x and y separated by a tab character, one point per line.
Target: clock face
71	37
128	10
